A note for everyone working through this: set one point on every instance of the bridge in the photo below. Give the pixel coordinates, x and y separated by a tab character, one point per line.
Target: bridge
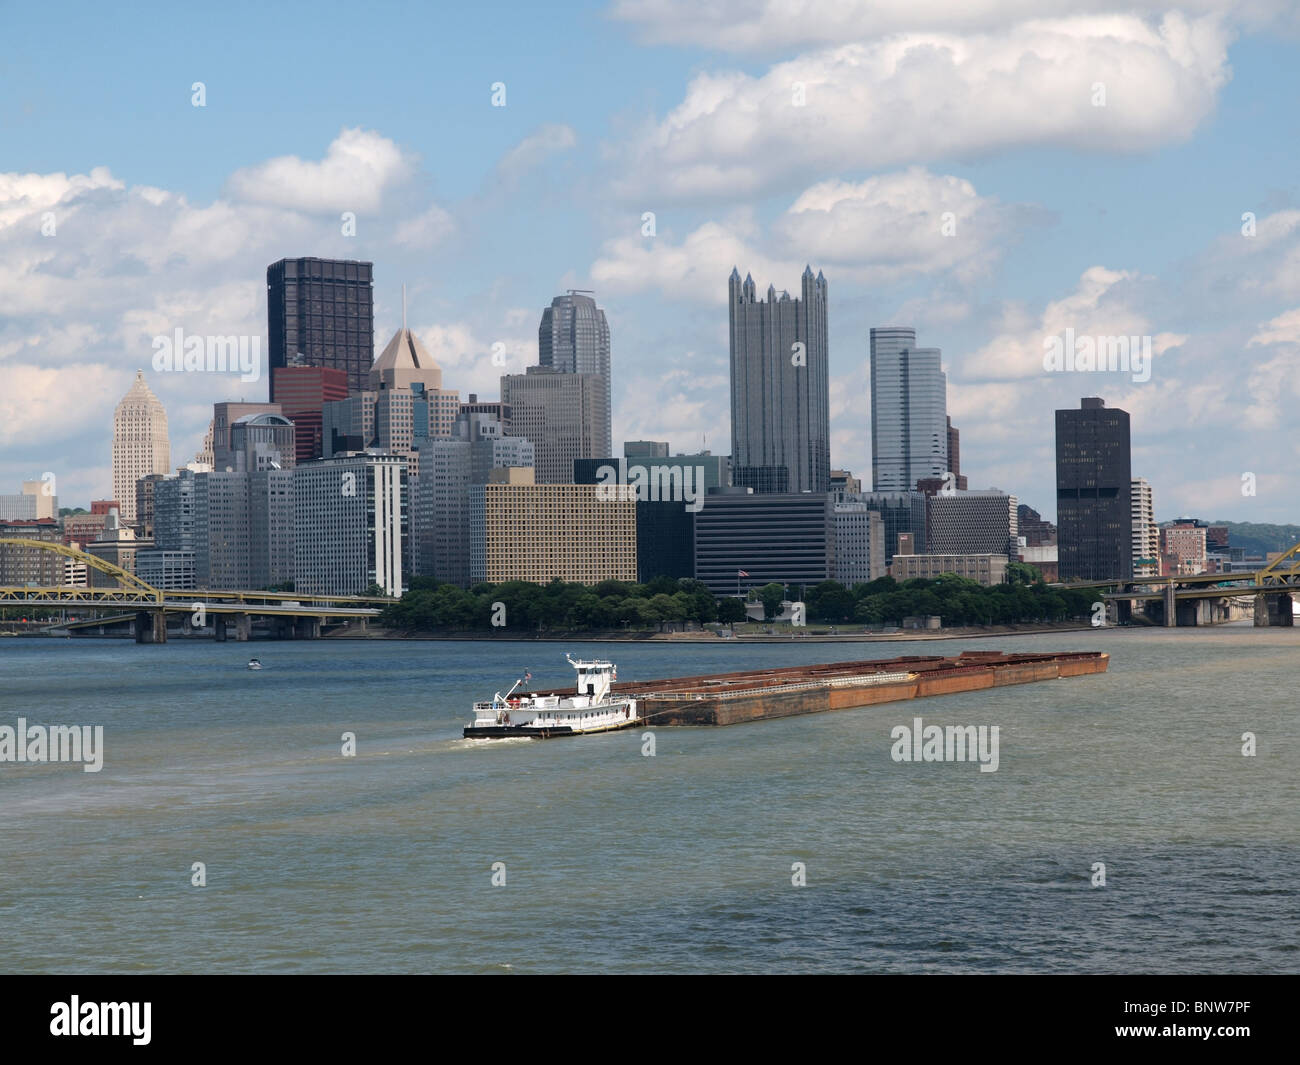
294	615
1194	599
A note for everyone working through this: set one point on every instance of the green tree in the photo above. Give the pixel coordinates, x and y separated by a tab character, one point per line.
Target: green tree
771	596
731	610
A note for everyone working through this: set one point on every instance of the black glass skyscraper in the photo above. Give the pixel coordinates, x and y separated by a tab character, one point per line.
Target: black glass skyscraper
1093	486
780	391
323	310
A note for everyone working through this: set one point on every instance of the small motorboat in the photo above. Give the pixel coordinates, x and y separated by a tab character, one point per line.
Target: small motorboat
253	663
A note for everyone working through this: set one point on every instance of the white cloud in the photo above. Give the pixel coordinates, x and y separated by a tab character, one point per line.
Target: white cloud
547	140
358	168
772	25
924	96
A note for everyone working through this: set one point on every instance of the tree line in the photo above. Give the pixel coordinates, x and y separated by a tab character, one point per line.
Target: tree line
431	604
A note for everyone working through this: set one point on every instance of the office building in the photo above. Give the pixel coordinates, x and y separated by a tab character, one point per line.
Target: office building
224	416
909	418
988	569
30	566
573	338
323	311
561	414
302	392
745	540
350	515
972	523
521	531
1093	492
140	443
780	391
859	543
1182	549
901	514
439	495
668	492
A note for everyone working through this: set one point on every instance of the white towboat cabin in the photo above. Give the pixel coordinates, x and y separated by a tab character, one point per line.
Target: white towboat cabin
593	707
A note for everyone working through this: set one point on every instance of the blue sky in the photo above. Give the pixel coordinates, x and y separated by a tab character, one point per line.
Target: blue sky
1123	219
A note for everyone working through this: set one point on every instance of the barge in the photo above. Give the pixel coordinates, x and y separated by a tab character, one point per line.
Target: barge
790	691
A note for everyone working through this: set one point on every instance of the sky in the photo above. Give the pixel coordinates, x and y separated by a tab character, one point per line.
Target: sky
991	173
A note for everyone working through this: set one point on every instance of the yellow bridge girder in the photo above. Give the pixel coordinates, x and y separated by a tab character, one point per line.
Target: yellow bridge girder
1276	573
130	580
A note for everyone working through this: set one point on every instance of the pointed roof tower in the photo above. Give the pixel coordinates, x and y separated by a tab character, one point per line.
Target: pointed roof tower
405	361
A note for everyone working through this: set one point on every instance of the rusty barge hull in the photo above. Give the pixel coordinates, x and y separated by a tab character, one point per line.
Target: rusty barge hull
792	691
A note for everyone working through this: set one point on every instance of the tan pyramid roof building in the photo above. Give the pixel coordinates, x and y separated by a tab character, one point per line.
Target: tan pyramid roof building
404	362
140	443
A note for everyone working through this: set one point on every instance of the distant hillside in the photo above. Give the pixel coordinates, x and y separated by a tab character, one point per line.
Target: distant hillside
1259	539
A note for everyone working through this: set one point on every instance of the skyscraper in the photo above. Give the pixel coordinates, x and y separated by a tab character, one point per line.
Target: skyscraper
1093	492
1146	534
909	411
322	309
780	391
303	392
574	338
560	413
140	443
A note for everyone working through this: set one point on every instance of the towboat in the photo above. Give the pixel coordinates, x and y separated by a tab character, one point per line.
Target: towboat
593	707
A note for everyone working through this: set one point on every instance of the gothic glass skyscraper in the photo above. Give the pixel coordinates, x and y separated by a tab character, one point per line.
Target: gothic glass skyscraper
780	390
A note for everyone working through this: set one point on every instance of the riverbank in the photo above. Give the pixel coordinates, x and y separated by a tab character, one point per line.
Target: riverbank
715	638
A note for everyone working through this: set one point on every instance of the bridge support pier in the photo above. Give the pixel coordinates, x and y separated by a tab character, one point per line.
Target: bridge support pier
1273	609
150	626
306	628
1171	606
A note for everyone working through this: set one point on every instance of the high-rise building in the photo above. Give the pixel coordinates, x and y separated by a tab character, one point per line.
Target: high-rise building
1033	529
323	310
144	500
1093	492
780	390
573	338
667	491
1182	548
744	540
1146	534
224	416
19	507
560	413
439	495
302	392
645	449
909	417
140	443
954	456
902	514
350	517
47	503
21	566
972	523
521	531
859	543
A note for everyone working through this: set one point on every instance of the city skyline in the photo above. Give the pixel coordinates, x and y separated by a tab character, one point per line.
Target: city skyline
985	233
